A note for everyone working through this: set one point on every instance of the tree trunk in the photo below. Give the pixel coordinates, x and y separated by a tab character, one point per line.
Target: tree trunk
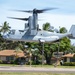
48	58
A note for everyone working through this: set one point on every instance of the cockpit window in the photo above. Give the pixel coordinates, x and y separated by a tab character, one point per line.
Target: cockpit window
12	32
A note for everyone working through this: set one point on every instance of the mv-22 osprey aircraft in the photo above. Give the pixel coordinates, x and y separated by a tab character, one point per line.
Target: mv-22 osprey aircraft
32	32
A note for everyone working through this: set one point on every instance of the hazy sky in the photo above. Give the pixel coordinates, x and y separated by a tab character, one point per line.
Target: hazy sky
64	16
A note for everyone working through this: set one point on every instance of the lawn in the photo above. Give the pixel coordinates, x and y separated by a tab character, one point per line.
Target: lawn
30	73
45	66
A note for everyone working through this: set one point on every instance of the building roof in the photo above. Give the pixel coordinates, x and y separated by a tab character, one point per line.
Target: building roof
11	53
70	55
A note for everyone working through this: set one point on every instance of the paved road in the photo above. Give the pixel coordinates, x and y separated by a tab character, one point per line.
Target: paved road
33	69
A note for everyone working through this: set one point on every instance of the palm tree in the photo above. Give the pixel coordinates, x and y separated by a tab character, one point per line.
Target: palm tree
5	27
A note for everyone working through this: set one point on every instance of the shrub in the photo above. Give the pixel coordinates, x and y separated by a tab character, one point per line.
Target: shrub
69	64
1	61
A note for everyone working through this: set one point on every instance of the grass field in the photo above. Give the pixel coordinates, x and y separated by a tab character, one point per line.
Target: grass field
1	73
46	66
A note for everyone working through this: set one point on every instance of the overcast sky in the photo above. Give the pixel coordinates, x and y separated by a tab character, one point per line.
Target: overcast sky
64	16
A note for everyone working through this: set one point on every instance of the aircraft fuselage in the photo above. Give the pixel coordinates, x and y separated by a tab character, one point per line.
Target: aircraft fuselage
43	35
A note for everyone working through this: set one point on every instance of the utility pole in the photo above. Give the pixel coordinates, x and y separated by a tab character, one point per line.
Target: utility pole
42	42
42	53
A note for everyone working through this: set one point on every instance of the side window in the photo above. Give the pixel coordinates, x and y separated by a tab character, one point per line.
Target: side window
9	58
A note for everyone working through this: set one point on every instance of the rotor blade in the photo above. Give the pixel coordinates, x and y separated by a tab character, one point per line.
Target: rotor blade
25	19
29	11
43	10
38	11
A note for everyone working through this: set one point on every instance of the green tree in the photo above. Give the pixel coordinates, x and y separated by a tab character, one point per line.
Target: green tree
46	26
65	42
48	51
72	49
5	27
63	30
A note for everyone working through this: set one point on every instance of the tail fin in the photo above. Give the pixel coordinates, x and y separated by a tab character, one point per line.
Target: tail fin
72	31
